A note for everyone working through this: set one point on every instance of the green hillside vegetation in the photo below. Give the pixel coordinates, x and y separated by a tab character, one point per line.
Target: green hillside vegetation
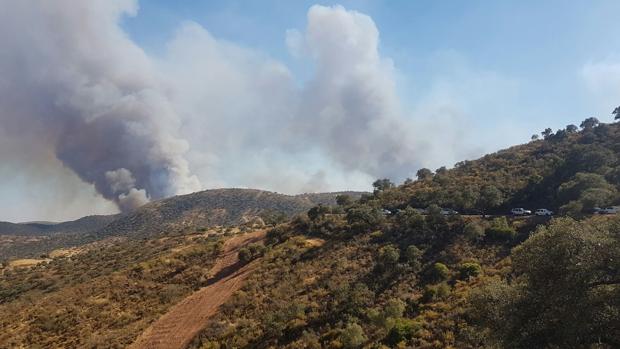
425	282
568	171
435	281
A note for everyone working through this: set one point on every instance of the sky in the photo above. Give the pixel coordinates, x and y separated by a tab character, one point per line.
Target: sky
110	104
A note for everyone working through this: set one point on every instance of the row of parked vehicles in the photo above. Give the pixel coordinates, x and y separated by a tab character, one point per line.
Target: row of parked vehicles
520	211
607	210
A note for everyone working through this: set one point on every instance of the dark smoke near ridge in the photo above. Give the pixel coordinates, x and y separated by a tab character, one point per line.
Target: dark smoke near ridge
73	84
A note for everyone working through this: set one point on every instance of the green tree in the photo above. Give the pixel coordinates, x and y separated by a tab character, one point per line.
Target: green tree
473	231
352	336
402	330
318	212
344	200
589	123
363	218
388	257
424	174
500	231
571	128
547	133
590	189
565	291
414	257
490	197
382	185
469	269
438	272
616	113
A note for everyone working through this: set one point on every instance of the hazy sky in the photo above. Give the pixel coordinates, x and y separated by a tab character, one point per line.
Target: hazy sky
174	96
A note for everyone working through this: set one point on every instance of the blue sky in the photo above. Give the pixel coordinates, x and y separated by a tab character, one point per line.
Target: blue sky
283	95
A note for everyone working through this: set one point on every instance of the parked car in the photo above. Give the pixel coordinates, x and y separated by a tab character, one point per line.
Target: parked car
543	212
520	211
609	210
448	212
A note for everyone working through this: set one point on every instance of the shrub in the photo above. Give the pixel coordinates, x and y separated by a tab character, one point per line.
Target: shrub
469	269
500	231
403	330
434	293
251	252
394	308
388	257
352	336
364	218
278	234
414	257
473	231
438	272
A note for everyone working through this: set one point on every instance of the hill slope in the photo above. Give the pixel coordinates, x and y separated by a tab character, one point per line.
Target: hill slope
218	207
569	171
352	276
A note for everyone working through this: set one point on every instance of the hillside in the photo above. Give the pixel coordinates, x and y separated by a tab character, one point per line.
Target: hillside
218	207
349	275
568	171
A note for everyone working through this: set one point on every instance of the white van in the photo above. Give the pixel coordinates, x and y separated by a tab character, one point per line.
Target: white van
609	210
520	211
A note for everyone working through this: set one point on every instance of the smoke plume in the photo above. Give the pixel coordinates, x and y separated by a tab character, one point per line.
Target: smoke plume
75	88
72	81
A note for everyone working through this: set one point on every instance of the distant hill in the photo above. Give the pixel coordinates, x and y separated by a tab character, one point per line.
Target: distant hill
83	225
217	207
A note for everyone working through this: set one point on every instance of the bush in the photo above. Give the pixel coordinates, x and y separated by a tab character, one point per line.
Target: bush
438	272
278	234
500	231
403	330
414	257
364	218
394	308
251	252
473	231
469	269
434	293
389	256
352	336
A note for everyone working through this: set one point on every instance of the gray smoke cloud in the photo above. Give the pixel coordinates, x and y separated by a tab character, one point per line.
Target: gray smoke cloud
71	81
351	104
75	88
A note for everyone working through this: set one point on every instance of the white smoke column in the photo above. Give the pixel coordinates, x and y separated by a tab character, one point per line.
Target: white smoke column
351	106
72	81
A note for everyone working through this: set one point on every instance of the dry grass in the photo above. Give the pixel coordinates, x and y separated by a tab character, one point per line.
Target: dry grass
27	262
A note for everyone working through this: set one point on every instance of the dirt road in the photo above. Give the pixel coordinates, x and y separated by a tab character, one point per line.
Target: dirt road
177	327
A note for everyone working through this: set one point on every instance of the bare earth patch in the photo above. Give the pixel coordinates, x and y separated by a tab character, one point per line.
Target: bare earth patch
178	327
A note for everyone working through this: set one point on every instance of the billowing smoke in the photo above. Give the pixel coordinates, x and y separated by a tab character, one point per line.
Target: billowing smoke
350	106
75	88
73	83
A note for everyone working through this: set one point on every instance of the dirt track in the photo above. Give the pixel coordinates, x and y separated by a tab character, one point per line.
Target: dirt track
177	327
